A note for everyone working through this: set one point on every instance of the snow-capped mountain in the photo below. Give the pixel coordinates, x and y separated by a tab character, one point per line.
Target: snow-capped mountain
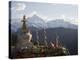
60	23
36	21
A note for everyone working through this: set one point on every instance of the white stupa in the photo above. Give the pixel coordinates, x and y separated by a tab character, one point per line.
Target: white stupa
24	39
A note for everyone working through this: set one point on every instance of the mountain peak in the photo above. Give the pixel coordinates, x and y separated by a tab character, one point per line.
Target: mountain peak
35	15
36	18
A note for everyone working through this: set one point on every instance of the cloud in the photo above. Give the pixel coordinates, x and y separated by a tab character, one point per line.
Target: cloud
19	7
38	14
69	19
74	20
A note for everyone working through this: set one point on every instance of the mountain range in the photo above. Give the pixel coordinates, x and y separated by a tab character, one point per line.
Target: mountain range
37	22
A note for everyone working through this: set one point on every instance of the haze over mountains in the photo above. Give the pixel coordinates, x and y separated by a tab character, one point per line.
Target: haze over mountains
37	22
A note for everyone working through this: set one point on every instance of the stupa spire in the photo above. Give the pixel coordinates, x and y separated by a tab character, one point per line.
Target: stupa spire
24	26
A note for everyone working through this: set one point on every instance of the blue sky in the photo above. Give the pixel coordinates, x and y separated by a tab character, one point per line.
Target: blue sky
47	11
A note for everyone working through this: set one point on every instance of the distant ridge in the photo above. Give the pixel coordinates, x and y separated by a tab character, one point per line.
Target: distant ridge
37	22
